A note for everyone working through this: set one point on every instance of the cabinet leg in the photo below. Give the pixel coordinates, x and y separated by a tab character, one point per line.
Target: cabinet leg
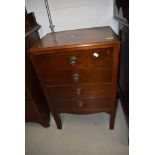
57	121
112	121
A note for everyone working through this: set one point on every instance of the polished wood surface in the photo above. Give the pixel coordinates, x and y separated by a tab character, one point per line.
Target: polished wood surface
77	38
92	104
83	59
82	91
78	71
59	77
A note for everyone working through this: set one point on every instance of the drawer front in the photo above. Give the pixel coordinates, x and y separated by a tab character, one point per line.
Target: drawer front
82	104
82	91
93	58
83	76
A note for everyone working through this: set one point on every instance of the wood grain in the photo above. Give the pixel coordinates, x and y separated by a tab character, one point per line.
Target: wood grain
86	90
96	76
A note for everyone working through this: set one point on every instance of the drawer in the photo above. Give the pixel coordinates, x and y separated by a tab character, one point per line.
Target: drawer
82	104
81	76
92	58
82	91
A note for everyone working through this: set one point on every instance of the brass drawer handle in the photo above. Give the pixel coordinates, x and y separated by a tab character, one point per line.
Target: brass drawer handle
78	91
76	77
73	60
80	104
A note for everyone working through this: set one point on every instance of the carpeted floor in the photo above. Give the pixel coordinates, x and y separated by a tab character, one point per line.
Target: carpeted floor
80	135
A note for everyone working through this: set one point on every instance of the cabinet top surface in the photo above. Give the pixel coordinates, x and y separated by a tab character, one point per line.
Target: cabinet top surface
79	38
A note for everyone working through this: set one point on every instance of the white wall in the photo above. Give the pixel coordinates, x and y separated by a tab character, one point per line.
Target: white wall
73	14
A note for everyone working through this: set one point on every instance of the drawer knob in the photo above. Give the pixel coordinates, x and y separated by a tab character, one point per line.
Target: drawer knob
73	60
76	77
78	91
80	104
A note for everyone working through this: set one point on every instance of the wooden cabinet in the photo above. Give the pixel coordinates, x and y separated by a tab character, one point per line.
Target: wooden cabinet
36	108
78	70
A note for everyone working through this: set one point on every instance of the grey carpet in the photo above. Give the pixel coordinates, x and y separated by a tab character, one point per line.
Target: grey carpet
80	135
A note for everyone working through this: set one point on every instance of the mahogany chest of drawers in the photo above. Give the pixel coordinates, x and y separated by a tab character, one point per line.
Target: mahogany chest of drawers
77	70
